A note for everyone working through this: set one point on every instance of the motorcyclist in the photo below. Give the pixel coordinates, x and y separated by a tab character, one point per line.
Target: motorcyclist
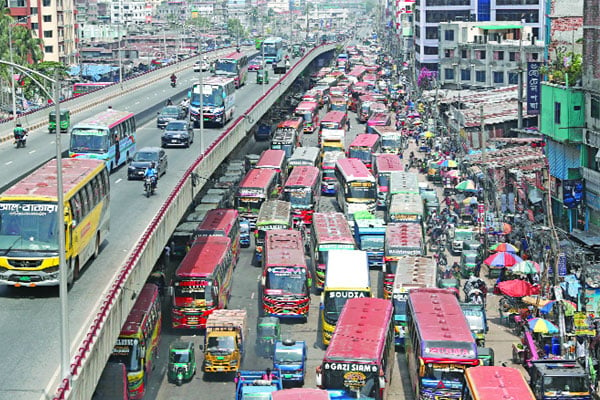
169	102
19	132
153	174
173	78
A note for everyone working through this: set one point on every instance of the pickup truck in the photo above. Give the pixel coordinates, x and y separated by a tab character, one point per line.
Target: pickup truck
251	385
226	332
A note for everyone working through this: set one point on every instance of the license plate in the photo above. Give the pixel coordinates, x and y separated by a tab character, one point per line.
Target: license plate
173	140
287	376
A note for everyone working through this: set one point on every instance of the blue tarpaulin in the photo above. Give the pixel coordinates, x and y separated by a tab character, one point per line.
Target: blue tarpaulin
93	72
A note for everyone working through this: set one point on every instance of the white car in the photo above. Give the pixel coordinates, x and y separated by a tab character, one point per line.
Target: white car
201	64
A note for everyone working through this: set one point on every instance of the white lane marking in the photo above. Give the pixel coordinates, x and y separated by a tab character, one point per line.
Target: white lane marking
252	296
118	180
8	163
32	151
137	102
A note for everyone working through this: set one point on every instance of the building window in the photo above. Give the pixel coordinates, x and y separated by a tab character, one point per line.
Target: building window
465	74
47	18
513	56
47	34
498	55
448	53
429	50
449	35
449	73
48	49
463	54
46	3
480	76
556	112
595	107
513	78
480	54
498	77
431	33
534	56
34	10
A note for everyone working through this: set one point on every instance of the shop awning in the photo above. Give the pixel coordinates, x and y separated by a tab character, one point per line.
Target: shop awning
587	238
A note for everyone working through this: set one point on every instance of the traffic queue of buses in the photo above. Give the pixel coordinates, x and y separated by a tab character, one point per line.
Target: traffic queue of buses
276	199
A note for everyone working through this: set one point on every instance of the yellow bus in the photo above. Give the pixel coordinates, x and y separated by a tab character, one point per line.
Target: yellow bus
28	222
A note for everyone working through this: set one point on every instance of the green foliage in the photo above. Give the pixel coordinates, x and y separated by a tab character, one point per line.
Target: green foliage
235	28
567	65
370	5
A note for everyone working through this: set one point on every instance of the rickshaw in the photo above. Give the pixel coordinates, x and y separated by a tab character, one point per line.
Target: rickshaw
262	75
485	356
182	362
268	331
65	121
297	51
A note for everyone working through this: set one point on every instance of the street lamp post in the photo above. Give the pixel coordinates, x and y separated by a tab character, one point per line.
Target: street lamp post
12	72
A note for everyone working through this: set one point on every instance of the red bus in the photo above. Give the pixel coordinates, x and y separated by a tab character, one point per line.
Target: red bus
364	106
275	160
384	165
378	119
234	65
257	186
329	231
222	222
202	282
87	87
371	79
309	111
360	357
439	344
333	120
485	382
401	239
137	345
302	190
364	147
286	278
300	394
357	73
288	136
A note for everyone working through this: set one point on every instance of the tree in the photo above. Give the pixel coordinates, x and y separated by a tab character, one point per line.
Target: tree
235	28
202	23
565	69
426	78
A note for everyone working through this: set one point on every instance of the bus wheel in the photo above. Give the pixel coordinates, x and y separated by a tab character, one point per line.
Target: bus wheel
76	269
70	278
96	246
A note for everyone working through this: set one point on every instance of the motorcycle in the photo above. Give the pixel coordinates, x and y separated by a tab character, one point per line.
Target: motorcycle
173	83
20	140
149	186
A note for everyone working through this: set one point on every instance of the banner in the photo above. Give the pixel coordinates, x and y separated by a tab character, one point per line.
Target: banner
533	88
572	192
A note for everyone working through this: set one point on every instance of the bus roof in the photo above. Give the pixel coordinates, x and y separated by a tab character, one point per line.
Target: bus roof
361	331
365	140
379	118
357	71
258	178
402	234
41	184
203	257
271	159
290	123
354	169
388	163
331	227
331	157
218	220
273	39
384	130
491	382
284	247
304	156
415	272
106	119
300	394
274	210
236	55
216	80
439	316
302	176
347	269
307	106
404	182
141	309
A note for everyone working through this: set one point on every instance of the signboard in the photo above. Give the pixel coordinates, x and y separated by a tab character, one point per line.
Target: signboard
572	193
533	87
562	264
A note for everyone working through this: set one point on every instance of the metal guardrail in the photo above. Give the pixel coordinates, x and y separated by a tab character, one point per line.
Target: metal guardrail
105	325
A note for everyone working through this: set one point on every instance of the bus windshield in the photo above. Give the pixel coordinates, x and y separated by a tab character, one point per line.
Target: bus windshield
186	292
227	66
28	227
291	283
89	140
366	191
212	95
126	352
269	49
306	115
336	379
372	242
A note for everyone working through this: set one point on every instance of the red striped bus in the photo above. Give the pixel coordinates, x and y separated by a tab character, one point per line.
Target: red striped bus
309	111
202	282
302	189
439	344
234	65
137	345
487	382
222	222
275	160
257	186
329	231
378	119
87	87
364	147
357	189
384	165
359	360
357	73
286	278
300	394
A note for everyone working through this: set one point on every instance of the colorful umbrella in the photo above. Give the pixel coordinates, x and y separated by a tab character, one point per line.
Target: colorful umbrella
517	288
429	135
453	173
470	200
504	247
502	259
540	325
466	186
448	164
526	267
568	306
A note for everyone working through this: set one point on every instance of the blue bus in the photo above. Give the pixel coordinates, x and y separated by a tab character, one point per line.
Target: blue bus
272	50
107	136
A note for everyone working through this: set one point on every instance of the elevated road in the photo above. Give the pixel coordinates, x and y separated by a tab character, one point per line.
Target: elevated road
100	301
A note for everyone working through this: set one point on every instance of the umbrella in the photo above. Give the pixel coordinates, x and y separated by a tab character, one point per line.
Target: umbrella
449	164
526	267
453	173
568	305
535	301
516	288
540	325
428	135
502	259
470	200
466	186
504	247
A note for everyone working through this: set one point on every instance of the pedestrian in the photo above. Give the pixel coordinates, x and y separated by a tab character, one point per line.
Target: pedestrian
348	123
268	375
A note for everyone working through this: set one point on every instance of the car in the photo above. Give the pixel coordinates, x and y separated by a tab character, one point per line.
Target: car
142	159
169	113
255	64
204	65
178	133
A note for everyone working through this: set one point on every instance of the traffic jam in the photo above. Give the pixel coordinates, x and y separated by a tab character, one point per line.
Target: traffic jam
361	180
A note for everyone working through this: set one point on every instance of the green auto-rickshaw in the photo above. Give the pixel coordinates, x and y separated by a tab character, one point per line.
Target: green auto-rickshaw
65	121
297	51
268	331
262	75
182	362
485	356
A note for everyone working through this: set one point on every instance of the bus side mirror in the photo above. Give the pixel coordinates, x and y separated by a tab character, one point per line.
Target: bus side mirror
382	382
319	377
73	224
262	281
170	291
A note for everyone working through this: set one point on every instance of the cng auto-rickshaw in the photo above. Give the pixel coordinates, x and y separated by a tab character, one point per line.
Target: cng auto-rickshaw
65	121
182	362
268	331
262	75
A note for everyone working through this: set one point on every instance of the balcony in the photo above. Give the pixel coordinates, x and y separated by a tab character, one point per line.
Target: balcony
17	3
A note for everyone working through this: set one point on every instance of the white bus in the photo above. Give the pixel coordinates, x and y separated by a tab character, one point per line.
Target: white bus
218	101
357	188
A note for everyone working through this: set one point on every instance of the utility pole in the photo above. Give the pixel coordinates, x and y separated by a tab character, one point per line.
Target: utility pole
520	81
483	144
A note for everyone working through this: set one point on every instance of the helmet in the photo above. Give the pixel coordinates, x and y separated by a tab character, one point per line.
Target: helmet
18	124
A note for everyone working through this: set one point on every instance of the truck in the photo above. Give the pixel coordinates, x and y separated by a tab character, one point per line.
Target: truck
226	331
250	385
564	379
289	358
477	319
369	233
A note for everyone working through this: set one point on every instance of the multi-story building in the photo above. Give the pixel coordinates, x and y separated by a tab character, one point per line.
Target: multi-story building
53	21
565	27
485	54
130	12
429	14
